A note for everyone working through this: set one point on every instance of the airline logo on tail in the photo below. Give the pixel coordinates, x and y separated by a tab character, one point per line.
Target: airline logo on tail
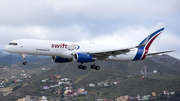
145	45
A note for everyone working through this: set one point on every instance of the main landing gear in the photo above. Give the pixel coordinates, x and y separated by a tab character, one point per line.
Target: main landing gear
92	67
82	67
24	58
95	67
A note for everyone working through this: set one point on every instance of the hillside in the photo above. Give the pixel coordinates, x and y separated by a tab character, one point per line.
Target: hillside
110	72
168	59
139	86
32	68
6	58
45	62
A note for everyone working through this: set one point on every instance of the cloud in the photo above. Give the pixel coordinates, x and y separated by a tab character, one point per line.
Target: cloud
11	32
74	32
170	41
127	36
116	22
123	36
60	12
132	36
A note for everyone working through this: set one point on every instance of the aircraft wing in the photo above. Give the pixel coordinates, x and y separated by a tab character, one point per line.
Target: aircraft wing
104	54
155	53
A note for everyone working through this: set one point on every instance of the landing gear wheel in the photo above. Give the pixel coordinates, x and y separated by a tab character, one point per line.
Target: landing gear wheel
24	58
80	66
97	67
84	67
24	63
93	66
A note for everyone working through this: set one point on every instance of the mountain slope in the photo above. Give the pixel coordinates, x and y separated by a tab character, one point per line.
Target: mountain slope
110	72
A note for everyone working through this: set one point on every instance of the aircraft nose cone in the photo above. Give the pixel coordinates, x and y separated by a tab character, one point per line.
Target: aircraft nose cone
6	48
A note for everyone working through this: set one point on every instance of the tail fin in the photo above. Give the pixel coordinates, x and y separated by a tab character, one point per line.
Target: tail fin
153	38
150	42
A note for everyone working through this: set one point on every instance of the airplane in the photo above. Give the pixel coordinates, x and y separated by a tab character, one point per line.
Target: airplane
63	51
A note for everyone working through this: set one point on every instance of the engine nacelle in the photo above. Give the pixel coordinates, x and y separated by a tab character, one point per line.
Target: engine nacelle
84	57
60	59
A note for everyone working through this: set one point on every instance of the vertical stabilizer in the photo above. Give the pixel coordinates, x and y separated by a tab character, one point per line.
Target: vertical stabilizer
154	36
150	42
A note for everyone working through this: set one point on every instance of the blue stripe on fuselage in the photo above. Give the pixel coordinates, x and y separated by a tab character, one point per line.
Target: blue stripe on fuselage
139	53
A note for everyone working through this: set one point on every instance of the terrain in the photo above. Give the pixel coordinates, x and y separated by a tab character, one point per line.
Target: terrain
136	84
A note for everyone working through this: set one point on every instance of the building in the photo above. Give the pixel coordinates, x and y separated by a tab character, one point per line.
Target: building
67	83
146	97
60	83
57	85
43	99
172	93
23	99
100	84
43	81
17	80
58	76
100	99
117	82
52	86
91	85
46	87
67	87
71	93
64	79
106	84
43	68
82	91
53	77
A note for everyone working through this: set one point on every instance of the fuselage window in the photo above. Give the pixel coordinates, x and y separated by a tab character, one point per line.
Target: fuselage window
12	44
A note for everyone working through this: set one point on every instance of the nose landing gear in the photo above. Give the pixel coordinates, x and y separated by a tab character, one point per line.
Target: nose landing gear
25	63
24	58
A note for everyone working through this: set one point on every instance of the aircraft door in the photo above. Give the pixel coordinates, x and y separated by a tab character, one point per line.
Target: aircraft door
21	44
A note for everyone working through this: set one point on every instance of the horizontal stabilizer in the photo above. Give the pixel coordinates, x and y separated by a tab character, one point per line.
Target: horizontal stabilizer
158	53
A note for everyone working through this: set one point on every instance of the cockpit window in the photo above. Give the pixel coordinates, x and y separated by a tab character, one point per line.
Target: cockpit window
12	44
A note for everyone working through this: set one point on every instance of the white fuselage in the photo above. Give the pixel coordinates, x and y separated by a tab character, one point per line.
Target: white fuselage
63	49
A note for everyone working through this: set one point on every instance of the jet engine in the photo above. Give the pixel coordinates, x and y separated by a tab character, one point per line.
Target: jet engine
84	57
60	59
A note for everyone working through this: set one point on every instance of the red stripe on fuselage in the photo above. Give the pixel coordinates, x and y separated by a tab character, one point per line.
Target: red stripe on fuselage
148	45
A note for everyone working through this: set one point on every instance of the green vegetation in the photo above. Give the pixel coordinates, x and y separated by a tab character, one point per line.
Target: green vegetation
109	72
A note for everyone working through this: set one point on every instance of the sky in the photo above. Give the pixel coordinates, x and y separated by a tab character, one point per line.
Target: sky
115	22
